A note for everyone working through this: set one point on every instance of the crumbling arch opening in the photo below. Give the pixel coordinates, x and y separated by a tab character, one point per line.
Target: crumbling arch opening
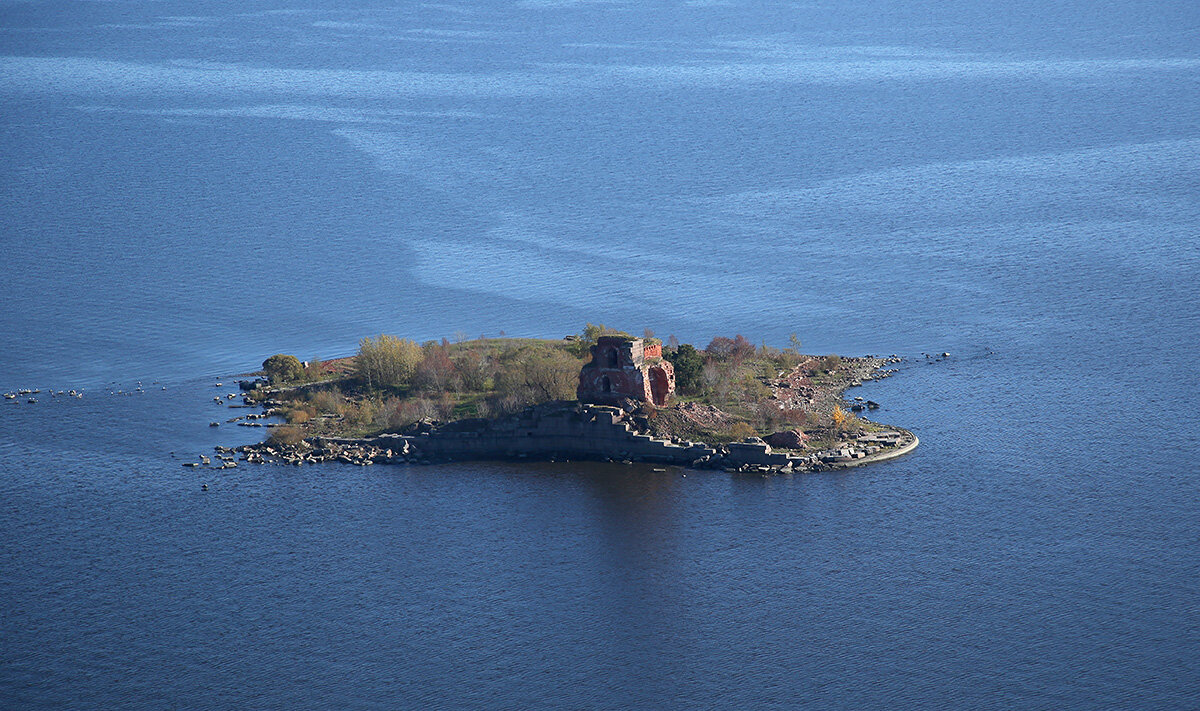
660	386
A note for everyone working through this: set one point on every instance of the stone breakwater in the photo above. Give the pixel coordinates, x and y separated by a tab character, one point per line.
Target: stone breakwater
571	431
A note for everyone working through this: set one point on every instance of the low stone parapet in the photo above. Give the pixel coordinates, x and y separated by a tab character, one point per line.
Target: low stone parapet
756	453
557	431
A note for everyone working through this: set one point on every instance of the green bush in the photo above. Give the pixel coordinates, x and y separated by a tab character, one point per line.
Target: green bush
473	368
582	347
534	374
753	390
314	370
688	363
327	401
740	431
281	368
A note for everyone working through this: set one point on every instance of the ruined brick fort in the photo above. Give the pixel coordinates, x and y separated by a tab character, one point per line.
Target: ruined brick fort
626	368
601	426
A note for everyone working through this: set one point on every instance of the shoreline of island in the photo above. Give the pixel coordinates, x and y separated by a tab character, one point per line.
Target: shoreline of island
796	420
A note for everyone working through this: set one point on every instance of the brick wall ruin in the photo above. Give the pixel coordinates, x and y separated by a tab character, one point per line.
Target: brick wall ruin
626	368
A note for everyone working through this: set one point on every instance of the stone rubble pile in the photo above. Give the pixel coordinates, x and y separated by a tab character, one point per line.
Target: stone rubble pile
320	450
795	389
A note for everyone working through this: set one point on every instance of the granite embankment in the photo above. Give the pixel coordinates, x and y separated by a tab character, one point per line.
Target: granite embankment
561	431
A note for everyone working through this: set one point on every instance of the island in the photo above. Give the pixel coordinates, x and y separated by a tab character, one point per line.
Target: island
600	395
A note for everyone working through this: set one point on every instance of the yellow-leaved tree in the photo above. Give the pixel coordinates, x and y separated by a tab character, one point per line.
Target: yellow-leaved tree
840	418
386	361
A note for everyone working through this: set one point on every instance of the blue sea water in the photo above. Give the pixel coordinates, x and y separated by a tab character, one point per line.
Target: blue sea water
190	187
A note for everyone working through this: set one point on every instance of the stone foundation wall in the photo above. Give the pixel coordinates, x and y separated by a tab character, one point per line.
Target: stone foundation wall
569	432
602	433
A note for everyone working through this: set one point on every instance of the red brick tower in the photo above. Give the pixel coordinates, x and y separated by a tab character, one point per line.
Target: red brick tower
626	368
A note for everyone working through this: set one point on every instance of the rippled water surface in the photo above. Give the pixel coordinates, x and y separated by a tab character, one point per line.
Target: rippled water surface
189	187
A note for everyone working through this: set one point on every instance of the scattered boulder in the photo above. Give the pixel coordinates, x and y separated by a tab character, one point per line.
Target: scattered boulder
787	439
